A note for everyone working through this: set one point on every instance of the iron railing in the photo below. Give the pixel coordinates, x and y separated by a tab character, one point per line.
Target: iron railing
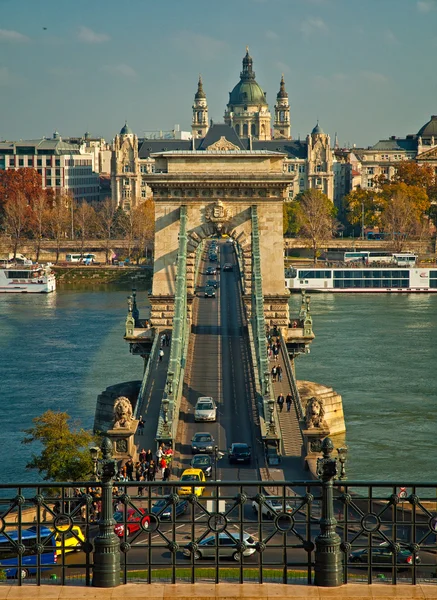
219	532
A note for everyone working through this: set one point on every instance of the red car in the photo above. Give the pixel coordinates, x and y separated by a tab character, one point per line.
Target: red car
136	519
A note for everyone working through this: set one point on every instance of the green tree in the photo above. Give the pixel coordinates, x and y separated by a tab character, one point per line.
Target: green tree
65	452
315	216
360	199
290	221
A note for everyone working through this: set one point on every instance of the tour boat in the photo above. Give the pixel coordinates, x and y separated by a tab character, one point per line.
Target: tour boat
26	278
355	278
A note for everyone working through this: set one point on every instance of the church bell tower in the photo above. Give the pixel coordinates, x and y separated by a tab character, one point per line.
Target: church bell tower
199	125
282	127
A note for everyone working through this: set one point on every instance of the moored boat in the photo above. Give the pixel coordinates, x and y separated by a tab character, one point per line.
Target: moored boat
17	279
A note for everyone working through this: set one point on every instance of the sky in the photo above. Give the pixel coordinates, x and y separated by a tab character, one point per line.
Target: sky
364	68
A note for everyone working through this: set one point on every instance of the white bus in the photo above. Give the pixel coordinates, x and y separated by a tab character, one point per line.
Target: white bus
407	259
81	258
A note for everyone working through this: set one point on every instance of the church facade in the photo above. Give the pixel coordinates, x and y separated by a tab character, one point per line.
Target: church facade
247	127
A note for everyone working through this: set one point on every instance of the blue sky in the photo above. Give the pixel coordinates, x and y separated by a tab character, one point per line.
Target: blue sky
364	68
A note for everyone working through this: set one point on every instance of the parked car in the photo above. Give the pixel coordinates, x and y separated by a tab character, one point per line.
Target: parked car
228	267
136	519
206	409
202	442
211	271
213	257
191	477
382	555
204	462
240	452
271	507
211	283
70	539
209	292
164	511
227	546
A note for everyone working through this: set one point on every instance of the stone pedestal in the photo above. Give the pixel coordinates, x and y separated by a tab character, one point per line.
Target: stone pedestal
123	441
312	449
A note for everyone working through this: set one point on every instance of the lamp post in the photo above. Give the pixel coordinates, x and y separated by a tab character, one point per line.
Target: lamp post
362	220
106	570
94	451
165	407
266	383
342	456
217	456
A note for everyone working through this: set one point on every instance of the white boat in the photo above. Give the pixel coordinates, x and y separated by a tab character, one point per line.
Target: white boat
34	279
354	278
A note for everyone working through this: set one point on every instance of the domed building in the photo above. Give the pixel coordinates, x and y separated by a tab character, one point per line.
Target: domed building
247	110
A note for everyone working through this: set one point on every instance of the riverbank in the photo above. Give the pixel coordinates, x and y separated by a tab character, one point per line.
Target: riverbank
101	275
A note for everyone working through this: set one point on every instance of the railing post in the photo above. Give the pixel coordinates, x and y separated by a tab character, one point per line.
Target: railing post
328	556
106	569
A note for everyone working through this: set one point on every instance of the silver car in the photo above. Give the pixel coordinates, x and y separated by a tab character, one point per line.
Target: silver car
227	546
202	442
206	409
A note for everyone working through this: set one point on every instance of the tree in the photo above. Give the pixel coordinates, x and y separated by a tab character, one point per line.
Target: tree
289	217
360	199
65	452
403	212
40	206
144	227
315	218
411	173
58	219
105	222
17	218
86	222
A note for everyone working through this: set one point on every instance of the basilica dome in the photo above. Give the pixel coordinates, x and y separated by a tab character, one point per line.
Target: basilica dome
429	129
247	90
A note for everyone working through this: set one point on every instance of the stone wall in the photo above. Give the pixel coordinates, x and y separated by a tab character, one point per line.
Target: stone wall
332	401
104	415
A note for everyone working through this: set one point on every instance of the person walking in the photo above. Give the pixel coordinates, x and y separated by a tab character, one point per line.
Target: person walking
149	455
166	474
159	454
275	352
279	372
280	402
151	471
162	466
274	373
288	401
130	469
161	355
141	424
167	339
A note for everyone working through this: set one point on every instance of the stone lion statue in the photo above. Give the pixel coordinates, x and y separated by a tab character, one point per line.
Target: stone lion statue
315	413
122	412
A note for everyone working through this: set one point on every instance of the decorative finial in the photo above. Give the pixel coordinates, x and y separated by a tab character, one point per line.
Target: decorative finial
247	49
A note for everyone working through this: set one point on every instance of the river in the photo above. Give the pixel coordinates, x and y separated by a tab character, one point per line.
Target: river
61	350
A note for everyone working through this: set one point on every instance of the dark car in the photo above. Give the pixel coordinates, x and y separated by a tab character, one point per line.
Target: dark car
213	257
204	462
136	519
382	555
164	510
239	452
202	442
227	267
211	271
211	283
209	292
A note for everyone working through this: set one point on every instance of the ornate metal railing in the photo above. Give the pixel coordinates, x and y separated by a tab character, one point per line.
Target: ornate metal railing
291	379
325	532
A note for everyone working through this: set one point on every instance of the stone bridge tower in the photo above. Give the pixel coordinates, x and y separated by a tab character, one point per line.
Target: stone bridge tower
219	183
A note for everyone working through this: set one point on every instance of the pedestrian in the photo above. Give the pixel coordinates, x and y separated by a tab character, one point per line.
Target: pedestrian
288	401
139	476
162	340
151	471
166	474
280	402
143	456
162	466
149	455
279	372
141	424
274	372
159	454
130	469
167	339
161	354
275	352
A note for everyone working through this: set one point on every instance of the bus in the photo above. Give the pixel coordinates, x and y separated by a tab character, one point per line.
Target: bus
405	259
9	559
86	258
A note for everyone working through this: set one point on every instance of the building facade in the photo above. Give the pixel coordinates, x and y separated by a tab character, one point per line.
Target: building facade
63	166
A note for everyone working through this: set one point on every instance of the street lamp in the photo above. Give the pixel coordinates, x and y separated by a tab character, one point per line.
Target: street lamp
170	378
217	456
165	407
342	456
362	220
266	383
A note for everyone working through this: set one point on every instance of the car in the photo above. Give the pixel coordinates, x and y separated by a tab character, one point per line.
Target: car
228	267
204	462
209	292
211	271
272	507
211	283
213	257
240	452
191	477
382	555
68	539
164	510
227	546
202	442
136	519
206	409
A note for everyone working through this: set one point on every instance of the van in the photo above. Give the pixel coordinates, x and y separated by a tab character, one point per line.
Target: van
9	561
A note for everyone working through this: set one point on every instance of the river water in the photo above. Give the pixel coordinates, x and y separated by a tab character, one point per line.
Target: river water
378	351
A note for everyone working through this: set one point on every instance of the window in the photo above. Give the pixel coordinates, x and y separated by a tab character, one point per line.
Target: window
370	183
319	181
58	172
290	168
58	183
318	168
237	128
245	129
126	169
11	161
301	168
253	130
57	162
370	171
143	169
126	181
143	193
48	172
21	162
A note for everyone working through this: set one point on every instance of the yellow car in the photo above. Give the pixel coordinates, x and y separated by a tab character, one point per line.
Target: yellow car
191	477
70	540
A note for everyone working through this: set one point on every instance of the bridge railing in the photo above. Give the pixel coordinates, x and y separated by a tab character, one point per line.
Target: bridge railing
231	532
291	379
169	415
146	377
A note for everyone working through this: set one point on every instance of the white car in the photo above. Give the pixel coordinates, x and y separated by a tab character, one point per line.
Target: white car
206	409
272	507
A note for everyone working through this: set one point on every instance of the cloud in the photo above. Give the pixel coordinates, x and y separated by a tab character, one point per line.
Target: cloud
311	25
374	77
9	35
120	70
282	67
271	35
426	6
91	37
6	77
197	44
